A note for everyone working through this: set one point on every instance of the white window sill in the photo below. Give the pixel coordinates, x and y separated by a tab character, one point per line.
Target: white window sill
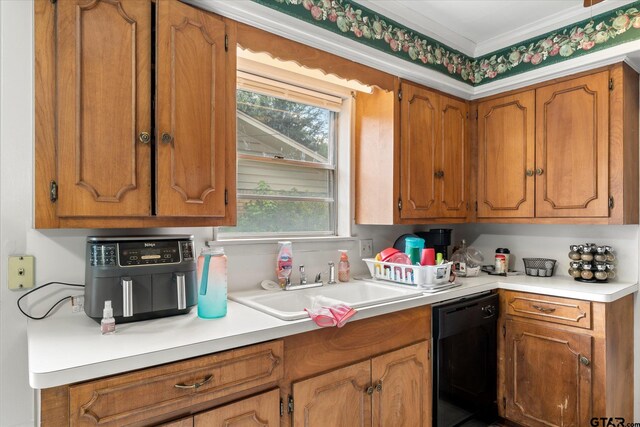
275	240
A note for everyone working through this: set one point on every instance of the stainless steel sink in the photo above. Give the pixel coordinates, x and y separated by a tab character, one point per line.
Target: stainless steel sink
291	305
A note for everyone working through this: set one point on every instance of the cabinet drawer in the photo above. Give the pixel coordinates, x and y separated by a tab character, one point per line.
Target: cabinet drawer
172	389
550	309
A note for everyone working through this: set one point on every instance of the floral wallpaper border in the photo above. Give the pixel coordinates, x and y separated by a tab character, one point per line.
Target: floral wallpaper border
359	23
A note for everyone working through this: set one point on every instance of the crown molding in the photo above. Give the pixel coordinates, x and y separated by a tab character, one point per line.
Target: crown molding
251	13
424	25
273	21
542	26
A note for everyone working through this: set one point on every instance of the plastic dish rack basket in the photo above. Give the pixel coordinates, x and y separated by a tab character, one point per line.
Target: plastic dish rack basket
426	276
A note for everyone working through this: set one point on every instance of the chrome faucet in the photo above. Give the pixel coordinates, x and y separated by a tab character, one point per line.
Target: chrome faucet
303	282
332	274
303	276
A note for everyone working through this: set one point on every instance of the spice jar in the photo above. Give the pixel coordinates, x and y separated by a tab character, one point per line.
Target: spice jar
574	272
586	274
574	255
586	256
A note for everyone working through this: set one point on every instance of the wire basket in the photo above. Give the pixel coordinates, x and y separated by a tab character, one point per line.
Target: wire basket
542	267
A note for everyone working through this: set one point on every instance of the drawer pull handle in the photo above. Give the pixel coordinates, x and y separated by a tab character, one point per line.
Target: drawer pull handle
544	309
584	361
194	386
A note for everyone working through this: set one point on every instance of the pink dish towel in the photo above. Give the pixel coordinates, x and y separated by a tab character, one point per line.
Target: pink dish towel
327	312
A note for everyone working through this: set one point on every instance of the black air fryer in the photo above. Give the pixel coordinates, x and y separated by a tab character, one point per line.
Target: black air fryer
144	277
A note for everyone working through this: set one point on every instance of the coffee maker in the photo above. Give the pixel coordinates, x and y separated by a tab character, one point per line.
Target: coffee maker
144	277
437	238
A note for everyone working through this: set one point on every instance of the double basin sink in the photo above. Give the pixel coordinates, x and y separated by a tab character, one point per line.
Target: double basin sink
290	305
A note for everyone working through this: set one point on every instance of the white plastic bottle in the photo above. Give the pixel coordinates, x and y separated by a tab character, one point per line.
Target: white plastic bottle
343	266
108	323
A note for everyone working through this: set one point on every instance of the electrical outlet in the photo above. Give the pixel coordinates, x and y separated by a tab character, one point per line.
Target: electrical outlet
366	248
21	272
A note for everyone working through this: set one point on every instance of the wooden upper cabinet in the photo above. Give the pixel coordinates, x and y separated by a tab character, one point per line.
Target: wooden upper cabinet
548	362
452	152
102	162
572	148
419	164
506	156
191	111
565	152
103	106
337	398
433	155
402	383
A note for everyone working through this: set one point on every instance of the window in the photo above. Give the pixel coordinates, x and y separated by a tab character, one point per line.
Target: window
287	140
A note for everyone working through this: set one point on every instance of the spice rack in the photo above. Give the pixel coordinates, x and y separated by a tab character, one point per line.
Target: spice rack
591	263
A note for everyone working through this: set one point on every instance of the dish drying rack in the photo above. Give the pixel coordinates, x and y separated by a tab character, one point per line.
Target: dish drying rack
429	278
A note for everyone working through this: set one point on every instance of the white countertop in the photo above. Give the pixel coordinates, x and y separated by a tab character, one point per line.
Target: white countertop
68	347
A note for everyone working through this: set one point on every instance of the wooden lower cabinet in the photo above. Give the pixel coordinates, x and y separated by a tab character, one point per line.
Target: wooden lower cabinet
168	392
548	376
392	389
337	398
261	411
565	363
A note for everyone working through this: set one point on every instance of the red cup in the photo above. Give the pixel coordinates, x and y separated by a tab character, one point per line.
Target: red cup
428	256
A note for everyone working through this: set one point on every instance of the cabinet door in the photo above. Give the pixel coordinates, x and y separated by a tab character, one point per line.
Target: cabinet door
548	376
104	104
262	410
402	382
506	157
572	148
419	133
452	156
191	104
337	398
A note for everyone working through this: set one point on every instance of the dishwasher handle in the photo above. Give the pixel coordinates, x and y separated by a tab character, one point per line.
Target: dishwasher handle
489	311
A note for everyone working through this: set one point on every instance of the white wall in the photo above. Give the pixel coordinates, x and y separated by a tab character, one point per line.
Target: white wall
552	241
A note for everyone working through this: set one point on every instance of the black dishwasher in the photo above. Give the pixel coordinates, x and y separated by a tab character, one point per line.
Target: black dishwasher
464	361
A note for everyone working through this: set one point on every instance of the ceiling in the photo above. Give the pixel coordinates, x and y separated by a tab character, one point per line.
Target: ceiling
477	27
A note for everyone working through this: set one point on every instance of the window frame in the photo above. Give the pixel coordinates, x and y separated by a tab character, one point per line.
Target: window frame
340	160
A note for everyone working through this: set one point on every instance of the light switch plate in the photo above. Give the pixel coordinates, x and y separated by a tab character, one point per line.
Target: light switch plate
21	272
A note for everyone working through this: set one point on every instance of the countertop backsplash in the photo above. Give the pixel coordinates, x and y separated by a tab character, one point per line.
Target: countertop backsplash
552	241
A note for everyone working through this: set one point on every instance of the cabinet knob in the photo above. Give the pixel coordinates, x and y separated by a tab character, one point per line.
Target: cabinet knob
584	361
379	387
144	137
370	390
439	174
530	172
166	138
539	171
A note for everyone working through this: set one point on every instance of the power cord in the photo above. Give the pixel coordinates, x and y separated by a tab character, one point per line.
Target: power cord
54	305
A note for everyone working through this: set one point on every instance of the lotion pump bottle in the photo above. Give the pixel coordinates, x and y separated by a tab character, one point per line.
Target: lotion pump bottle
343	266
108	323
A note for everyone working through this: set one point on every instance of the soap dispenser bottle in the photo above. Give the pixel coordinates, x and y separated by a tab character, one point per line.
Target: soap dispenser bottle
343	266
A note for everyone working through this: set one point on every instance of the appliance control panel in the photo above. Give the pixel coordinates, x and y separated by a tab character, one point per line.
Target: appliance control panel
140	253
